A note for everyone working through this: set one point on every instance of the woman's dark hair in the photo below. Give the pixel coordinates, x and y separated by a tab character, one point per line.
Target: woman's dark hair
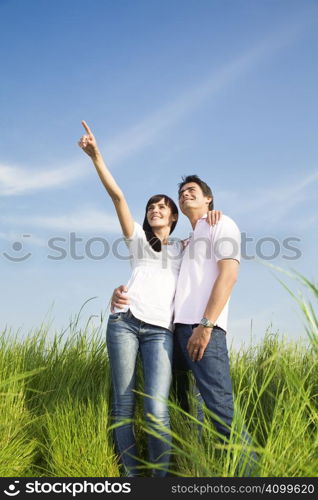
151	237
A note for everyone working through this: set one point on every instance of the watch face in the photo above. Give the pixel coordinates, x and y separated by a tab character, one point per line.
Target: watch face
206	322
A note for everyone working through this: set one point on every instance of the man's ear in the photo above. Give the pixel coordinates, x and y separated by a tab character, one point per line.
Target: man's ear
208	201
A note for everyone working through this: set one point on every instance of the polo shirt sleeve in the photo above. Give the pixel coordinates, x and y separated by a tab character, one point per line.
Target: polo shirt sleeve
226	239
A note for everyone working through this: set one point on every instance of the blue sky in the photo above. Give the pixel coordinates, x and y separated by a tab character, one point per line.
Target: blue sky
225	89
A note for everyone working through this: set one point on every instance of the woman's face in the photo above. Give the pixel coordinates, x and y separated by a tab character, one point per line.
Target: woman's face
159	215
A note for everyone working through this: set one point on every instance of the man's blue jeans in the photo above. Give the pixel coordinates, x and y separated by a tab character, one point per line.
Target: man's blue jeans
211	373
126	337
213	381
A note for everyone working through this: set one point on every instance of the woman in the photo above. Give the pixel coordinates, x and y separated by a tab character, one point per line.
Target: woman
146	327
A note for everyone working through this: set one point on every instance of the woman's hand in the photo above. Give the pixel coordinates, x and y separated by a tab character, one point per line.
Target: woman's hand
88	142
213	217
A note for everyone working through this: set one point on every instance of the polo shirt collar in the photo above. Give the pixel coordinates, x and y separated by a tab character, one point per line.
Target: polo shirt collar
201	218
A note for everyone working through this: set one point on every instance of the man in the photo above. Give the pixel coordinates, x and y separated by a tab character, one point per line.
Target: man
208	273
209	270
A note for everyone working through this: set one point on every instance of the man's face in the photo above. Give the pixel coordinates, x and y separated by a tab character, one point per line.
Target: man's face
192	198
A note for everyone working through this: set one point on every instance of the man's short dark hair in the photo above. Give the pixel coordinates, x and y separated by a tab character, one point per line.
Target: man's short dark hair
206	190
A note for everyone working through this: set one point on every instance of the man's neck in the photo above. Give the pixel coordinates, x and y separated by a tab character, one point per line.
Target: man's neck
194	216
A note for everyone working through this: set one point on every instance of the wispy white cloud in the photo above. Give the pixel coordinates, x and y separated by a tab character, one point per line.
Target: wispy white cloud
270	204
147	131
85	220
18	180
14	236
306	221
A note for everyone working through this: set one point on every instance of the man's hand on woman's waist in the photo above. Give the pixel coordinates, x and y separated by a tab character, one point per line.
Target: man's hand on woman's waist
119	298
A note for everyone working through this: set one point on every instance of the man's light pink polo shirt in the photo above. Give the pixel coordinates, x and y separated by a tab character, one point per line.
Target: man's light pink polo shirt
199	270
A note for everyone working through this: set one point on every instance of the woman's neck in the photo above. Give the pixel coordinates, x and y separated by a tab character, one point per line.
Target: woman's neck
162	234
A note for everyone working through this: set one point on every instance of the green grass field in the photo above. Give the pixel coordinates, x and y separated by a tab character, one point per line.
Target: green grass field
55	408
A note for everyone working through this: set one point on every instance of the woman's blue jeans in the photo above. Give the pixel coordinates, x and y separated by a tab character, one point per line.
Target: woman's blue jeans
126	337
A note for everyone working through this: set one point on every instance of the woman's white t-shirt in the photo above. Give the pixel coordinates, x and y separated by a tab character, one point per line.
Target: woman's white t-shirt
152	285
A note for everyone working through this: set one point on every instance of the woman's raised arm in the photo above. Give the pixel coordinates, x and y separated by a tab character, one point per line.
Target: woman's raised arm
89	145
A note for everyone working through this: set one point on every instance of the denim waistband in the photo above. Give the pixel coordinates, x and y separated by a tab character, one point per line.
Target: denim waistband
127	314
216	327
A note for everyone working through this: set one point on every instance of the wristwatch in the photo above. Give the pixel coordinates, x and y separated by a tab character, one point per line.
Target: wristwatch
207	323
